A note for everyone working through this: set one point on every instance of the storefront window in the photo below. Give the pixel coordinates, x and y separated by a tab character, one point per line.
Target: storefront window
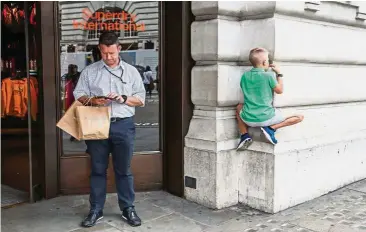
136	24
21	90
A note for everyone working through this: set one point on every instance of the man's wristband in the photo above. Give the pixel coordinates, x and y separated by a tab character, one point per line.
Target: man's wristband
279	75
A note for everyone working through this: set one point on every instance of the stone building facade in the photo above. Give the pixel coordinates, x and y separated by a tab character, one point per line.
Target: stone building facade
320	47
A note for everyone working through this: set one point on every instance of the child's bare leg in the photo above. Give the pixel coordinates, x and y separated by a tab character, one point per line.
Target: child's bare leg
242	127
289	121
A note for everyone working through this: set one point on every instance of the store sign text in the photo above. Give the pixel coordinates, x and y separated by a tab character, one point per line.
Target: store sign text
103	21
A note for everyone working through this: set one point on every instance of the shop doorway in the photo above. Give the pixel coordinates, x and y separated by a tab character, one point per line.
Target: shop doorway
21	108
138	31
164	45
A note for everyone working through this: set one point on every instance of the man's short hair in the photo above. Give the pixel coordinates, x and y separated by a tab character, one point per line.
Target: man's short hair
108	38
257	56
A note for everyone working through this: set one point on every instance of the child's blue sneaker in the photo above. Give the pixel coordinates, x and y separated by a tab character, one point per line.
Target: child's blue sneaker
245	141
270	134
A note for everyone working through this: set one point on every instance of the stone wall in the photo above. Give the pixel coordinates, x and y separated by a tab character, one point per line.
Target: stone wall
320	47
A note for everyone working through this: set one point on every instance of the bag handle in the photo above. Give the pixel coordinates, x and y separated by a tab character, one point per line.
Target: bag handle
87	101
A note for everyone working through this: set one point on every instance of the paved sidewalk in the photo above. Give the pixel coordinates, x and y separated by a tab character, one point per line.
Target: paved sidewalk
340	211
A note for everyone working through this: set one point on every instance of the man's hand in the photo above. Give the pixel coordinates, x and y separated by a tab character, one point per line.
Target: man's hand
275	68
131	100
99	101
116	97
85	100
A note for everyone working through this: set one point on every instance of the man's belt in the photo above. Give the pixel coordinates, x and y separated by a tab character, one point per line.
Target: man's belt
116	119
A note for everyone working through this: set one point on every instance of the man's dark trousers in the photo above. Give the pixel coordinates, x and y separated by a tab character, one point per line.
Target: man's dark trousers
120	144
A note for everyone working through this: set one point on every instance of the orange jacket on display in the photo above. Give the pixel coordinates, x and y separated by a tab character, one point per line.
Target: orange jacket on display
14	97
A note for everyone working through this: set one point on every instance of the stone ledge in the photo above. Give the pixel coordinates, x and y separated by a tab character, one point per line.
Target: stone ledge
262	145
312	6
314	42
218	85
314	81
233	8
322	125
211	40
361	16
218	130
344	15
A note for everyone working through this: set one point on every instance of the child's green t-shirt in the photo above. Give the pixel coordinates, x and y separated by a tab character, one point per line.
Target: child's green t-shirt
257	86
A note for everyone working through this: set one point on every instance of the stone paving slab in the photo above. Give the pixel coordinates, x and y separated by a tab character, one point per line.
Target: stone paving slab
340	211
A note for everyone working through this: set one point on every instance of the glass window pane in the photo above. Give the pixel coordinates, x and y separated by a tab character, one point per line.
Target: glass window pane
136	25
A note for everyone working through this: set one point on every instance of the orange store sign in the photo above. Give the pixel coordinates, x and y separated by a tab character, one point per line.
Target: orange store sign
102	20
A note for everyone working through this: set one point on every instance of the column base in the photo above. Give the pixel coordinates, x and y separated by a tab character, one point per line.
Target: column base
216	177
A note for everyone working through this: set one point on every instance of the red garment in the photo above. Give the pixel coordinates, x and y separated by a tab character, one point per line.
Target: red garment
69	96
32	17
7	16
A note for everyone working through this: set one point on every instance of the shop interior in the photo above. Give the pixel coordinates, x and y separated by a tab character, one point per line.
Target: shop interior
20	103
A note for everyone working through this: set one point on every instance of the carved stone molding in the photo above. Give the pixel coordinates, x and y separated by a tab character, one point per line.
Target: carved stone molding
312	6
361	12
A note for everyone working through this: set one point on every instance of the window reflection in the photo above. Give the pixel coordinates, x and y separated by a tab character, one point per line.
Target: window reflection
136	24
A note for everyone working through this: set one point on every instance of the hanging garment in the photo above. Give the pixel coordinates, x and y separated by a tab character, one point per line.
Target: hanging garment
14	97
34	97
18	14
14	17
69	96
32	17
7	16
35	84
71	82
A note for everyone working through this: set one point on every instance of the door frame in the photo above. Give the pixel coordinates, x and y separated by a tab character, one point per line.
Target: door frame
176	108
49	36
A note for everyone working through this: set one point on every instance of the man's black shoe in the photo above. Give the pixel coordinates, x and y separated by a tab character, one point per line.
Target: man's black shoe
91	219
130	216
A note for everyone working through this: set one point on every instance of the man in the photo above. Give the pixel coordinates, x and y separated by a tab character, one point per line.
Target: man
258	86
111	78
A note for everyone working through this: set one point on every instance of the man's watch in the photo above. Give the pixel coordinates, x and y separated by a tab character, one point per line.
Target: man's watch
279	75
124	98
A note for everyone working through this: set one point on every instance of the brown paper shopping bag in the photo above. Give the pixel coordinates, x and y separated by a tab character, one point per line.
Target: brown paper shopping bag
68	122
94	122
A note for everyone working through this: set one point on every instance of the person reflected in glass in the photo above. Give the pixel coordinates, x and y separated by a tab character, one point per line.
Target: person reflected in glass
157	79
148	80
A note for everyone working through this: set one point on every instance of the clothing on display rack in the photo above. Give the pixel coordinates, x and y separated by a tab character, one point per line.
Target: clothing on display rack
13	15
69	96
14	97
32	17
71	79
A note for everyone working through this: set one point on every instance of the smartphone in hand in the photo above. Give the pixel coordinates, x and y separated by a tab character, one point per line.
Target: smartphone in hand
107	98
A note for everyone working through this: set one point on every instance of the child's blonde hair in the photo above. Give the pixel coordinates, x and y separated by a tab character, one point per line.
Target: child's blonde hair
257	56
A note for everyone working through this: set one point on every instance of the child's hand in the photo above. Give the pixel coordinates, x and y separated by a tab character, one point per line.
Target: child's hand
275	68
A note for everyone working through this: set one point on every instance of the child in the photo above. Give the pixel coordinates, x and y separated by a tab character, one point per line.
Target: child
258	86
